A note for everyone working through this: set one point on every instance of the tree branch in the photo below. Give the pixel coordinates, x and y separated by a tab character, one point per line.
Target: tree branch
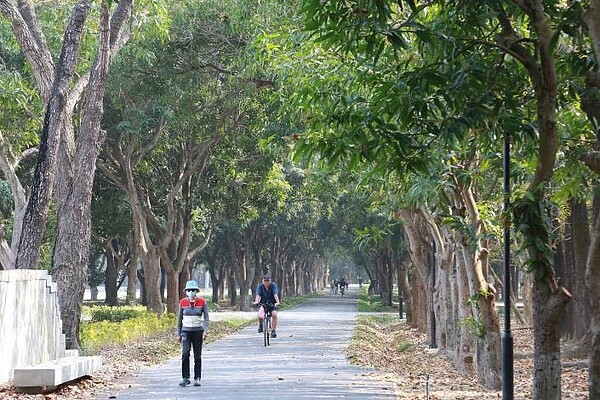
31	40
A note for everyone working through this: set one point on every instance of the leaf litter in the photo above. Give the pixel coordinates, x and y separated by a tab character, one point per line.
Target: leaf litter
401	356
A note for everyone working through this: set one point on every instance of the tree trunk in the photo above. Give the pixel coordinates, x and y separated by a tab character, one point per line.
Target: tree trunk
591	17
244	276
110	278
443	310
489	344
474	254
548	297
527	291
70	264
465	348
547	307
151	267
417	315
215	287
71	280
231	287
8	165
385	282
36	213
132	268
173	293
580	234
419	245
592	280
74	194
563	265
404	288
185	275
238	250
94	293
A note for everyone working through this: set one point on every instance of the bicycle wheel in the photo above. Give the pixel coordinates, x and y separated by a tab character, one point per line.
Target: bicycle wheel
266	330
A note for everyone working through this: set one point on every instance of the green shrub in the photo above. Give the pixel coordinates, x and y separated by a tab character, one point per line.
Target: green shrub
368	303
113	314
96	335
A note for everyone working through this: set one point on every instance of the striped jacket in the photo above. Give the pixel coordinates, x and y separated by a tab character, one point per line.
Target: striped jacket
190	315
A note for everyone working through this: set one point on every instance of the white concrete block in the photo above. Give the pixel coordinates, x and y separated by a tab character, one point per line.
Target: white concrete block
20	275
49	375
52	286
71	353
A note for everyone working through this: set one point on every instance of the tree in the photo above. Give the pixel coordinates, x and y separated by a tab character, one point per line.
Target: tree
111	239
589	103
20	122
200	102
77	146
358	124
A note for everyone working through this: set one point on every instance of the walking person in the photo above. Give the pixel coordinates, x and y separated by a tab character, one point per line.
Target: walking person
267	293
192	328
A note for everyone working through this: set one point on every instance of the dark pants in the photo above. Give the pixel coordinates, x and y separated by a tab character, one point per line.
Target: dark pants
192	339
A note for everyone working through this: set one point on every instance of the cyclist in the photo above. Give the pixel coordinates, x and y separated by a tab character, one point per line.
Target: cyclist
267	293
344	283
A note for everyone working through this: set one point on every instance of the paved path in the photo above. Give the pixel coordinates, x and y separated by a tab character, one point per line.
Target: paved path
305	361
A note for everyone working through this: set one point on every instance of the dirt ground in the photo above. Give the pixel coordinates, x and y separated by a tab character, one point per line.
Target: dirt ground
418	371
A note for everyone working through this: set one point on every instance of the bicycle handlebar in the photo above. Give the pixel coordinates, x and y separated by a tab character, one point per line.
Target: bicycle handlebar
263	303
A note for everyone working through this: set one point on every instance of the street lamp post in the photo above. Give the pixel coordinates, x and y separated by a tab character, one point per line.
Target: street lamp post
400	300
400	273
507	339
433	342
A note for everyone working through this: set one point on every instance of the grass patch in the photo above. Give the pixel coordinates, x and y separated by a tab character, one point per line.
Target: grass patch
372	303
377	339
289	302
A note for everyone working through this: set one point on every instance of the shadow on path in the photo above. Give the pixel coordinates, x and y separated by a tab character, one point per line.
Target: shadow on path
305	361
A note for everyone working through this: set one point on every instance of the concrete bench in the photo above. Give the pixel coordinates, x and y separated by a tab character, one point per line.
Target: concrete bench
46	377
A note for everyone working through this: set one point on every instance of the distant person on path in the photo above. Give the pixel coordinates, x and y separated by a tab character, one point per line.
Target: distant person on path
267	293
192	330
344	283
360	281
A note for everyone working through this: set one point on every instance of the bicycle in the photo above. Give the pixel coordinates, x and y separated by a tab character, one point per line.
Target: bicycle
266	323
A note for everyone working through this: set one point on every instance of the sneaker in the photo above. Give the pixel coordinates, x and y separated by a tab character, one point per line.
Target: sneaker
273	334
260	329
184	382
197	382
